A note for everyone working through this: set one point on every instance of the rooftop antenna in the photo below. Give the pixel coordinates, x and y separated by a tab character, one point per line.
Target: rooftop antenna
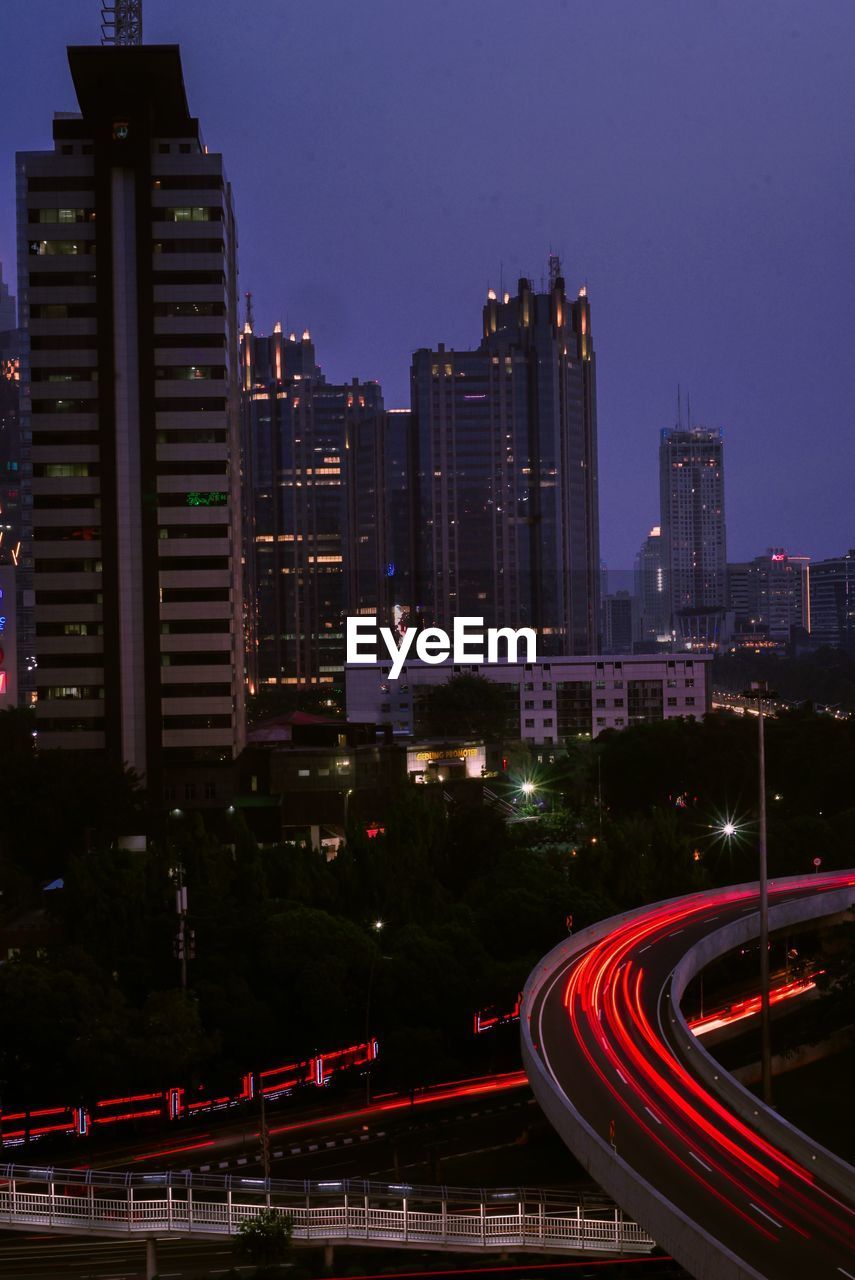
554	268
679	410
250	317
121	22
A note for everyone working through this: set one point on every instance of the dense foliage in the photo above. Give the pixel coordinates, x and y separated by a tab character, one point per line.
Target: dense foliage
288	960
467	707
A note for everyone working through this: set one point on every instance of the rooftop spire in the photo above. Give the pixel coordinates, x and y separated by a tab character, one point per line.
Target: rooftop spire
121	22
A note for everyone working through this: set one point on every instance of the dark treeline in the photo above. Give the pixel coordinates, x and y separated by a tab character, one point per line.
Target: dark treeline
288	960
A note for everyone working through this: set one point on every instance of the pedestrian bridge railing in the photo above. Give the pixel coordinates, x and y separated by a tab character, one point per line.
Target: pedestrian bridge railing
397	1215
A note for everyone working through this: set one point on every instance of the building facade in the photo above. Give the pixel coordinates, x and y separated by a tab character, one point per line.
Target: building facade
691	489
621	630
651	591
832	602
770	594
12	516
317	777
328	509
8	310
549	700
127	287
506	471
14	509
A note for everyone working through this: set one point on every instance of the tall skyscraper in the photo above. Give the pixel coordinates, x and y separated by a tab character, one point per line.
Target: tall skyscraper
651	589
691	489
328	477
379	551
127	287
506	483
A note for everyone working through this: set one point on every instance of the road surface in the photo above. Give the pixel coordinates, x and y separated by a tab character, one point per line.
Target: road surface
600	1023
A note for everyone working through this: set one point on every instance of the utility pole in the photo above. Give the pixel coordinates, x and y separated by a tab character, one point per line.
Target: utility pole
761	691
265	1136
121	22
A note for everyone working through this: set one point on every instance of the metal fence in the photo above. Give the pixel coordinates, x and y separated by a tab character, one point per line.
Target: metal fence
358	1213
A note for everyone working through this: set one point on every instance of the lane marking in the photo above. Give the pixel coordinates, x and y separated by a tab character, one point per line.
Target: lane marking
647	948
701	1162
848	1274
657	1118
622	1076
764	1214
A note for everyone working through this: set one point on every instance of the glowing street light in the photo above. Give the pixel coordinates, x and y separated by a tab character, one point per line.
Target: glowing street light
528	788
378	925
728	829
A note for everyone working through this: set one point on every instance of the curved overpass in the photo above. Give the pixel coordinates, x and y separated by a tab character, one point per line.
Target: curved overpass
728	1188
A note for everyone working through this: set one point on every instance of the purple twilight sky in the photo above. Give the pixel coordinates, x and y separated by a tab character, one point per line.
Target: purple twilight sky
693	162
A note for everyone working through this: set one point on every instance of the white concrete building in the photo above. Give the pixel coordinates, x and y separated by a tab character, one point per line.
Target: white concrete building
551	699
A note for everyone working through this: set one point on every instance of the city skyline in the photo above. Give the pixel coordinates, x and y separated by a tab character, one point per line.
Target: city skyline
723	193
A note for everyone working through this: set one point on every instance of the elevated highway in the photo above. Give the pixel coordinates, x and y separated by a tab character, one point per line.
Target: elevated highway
723	1184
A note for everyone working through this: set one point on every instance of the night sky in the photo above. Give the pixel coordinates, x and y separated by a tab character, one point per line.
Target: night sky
691	160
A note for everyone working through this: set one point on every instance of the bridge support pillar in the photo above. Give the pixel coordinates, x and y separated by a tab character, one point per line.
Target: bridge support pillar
150	1258
329	1257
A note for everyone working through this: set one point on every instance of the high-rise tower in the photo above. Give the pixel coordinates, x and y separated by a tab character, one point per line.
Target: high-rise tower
651	589
128	292
506	446
691	489
328	502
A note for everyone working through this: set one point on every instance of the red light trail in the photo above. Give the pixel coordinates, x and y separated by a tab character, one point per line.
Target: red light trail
618	1062
479	1086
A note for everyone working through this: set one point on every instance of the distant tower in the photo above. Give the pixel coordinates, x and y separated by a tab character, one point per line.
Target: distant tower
121	22
505	444
691	486
651	588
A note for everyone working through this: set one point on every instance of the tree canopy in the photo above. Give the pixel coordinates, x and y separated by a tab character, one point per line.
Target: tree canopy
467	707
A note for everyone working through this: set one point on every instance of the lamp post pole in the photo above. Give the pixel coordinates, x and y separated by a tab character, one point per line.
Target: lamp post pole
760	692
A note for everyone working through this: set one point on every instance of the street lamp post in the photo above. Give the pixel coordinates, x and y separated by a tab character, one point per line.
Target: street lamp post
377	926
760	691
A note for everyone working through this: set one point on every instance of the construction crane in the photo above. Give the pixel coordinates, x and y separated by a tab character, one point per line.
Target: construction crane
121	22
